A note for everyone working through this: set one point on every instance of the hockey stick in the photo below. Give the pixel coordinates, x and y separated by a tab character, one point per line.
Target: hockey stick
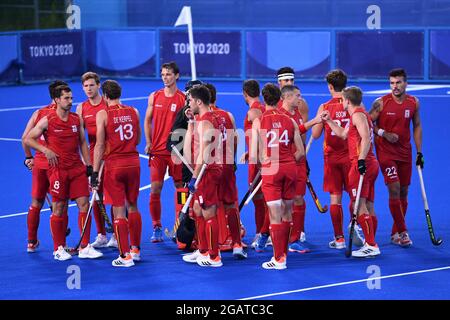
109	228
185	208
249	191
253	193
348	252
435	241
308	146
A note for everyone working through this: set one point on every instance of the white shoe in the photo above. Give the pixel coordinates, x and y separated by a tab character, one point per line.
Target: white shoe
358	235
395	239
112	243
89	252
274	264
405	240
337	244
192	257
269	242
123	262
238	252
206	261
101	241
302	237
366	251
61	254
255	240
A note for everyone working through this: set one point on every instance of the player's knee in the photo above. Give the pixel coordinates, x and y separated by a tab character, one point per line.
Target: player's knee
404	192
394	190
298	201
156	187
37	203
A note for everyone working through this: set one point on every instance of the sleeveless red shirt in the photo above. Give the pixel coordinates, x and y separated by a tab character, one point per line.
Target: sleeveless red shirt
354	139
335	148
89	113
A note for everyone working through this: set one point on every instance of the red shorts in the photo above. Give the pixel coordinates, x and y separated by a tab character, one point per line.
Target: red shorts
396	171
300	185
280	185
158	167
39	183
68	183
121	184
227	187
368	187
207	193
335	176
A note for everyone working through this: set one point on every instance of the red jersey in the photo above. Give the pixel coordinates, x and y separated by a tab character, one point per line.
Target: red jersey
165	110
63	138
297	117
121	137
89	113
277	134
227	128
215	155
354	139
248	125
40	161
396	118
335	148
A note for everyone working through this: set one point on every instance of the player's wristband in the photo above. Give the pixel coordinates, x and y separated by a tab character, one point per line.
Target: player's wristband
380	132
302	129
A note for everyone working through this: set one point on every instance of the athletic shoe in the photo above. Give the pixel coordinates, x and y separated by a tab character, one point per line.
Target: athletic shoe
238	252
269	242
274	264
135	254
89	252
262	241
101	241
123	262
61	254
395	239
298	246
157	235
358	235
31	247
405	241
71	250
192	257
337	244
302	237
366	251
255	240
206	261
112	243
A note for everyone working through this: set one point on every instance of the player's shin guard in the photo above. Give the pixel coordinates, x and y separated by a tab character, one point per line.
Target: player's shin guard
99	220
155	209
58	231
33	223
288	227
121	232
395	206
296	220
337	219
260	210
82	216
135	226
302	211
212	236
278	234
375	224
404	202
365	222
201	235
234	224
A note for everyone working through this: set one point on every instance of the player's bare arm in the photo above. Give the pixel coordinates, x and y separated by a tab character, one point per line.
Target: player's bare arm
417	128
83	144
187	142
32	141
337	129
303	108
299	149
139	131
255	142
148	124
317	128
28	162
79	109
234	135
99	149
360	121
375	110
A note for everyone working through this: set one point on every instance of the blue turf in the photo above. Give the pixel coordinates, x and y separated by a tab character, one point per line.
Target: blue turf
162	274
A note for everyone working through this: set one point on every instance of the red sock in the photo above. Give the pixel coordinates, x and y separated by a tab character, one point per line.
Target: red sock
278	235
404	202
65	217
375	224
82	216
287	234
259	213
212	236
99	220
296	219
234	224
365	222
201	235
302	217
135	226
337	217
155	209
265	227
396	210
58	231
33	218
121	232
